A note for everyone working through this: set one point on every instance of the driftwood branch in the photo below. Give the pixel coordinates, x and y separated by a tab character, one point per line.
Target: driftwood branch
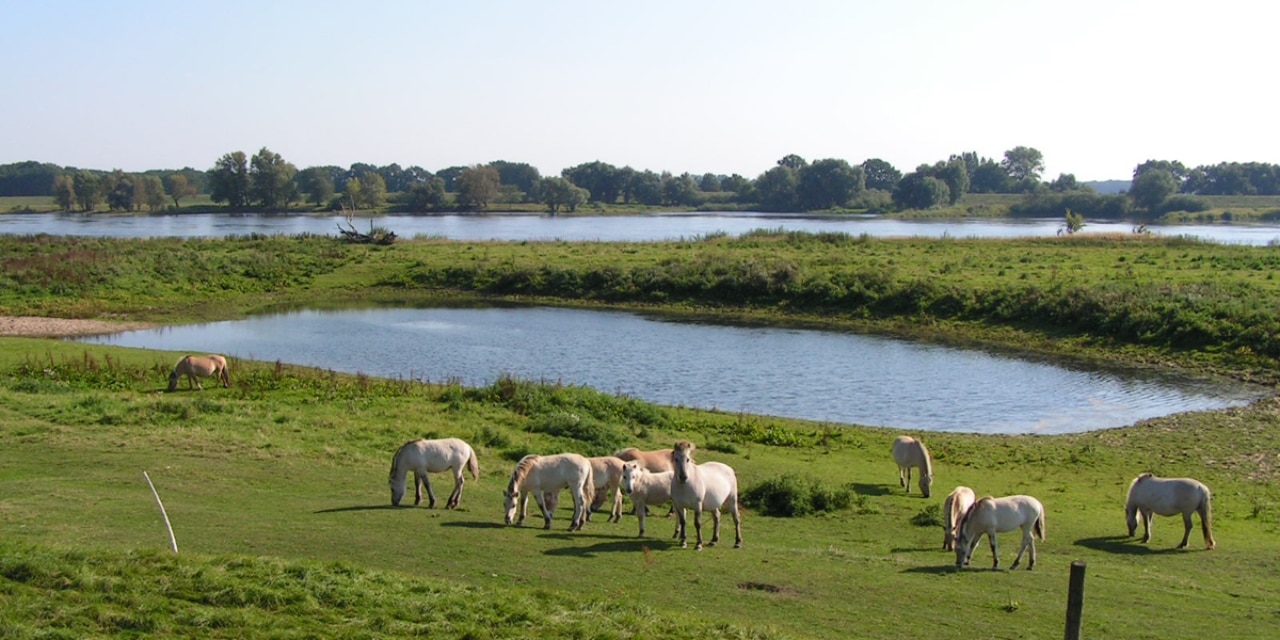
375	236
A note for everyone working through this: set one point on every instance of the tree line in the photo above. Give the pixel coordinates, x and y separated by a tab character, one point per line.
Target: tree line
267	182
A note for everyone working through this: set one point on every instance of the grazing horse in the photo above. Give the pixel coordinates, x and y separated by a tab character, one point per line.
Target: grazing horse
953	509
544	477
645	489
703	487
909	452
1150	495
607	472
196	367
998	515
431	456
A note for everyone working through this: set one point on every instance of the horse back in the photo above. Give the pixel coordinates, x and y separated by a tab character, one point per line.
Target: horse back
909	452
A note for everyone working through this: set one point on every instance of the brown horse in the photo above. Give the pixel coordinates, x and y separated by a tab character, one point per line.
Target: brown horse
196	367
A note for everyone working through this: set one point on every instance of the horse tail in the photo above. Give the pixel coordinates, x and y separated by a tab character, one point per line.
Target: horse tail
1039	526
589	488
225	373
1206	516
473	465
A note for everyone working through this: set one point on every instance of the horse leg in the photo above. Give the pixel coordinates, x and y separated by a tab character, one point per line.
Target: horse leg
904	478
542	499
737	525
456	496
640	511
995	557
431	495
680	522
1186	532
1146	516
417	489
715	528
524	507
1026	540
697	527
616	512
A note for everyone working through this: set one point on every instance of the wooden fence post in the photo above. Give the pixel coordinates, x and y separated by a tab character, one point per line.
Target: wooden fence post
1075	600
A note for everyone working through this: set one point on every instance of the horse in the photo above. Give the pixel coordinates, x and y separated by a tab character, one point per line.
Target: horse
953	509
1150	495
703	487
544	477
607	472
998	515
909	452
431	456
645	489
655	461
196	367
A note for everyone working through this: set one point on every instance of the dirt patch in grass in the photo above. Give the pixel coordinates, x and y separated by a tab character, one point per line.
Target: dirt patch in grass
39	327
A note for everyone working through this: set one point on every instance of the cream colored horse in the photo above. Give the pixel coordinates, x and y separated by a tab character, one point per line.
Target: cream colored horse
703	487
607	472
423	457
908	453
545	477
1149	495
196	367
998	515
953	509
654	461
646	489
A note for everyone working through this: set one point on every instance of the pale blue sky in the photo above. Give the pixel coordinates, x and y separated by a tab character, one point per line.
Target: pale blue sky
722	86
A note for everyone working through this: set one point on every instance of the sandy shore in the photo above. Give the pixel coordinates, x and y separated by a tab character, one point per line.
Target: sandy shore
37	327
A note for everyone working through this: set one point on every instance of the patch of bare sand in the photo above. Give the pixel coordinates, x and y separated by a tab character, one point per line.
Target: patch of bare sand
38	327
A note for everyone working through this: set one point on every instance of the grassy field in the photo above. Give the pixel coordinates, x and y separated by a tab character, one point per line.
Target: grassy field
277	487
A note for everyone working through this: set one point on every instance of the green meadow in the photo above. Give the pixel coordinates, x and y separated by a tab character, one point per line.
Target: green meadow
276	488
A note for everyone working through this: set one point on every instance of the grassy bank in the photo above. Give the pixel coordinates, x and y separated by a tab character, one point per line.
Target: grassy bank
277	492
277	487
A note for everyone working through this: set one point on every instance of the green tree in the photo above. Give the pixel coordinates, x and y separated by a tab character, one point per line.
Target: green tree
954	172
316	183
478	186
426	195
64	192
1023	163
879	174
709	183
792	161
154	188
603	180
370	191
519	174
89	189
179	188
828	183
681	190
271	180
121	192
557	192
990	177
645	187
735	184
920	191
776	188
229	180
1152	187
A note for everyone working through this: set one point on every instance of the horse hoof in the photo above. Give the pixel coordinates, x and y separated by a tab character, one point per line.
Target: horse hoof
737	545
697	547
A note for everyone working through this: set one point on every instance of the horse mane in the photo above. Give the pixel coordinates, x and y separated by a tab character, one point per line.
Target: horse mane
522	469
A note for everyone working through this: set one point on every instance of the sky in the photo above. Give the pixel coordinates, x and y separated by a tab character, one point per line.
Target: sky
719	86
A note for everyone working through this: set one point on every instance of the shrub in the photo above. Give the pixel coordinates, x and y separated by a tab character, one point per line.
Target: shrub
790	496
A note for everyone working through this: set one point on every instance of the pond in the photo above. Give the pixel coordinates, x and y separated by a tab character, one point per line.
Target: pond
619	228
817	375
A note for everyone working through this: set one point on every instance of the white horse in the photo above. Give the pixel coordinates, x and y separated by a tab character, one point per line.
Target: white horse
544	477
655	461
953	509
908	453
703	487
646	489
999	515
431	456
196	367
607	472
1150	495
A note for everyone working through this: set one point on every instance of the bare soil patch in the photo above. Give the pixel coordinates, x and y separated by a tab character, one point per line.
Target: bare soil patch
39	327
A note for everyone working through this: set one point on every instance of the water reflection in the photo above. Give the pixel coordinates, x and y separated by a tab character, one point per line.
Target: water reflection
817	375
633	228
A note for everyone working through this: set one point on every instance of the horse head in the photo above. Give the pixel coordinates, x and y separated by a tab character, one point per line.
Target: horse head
682	458
173	380
630	471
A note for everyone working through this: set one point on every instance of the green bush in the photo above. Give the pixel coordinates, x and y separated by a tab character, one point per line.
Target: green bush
790	496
